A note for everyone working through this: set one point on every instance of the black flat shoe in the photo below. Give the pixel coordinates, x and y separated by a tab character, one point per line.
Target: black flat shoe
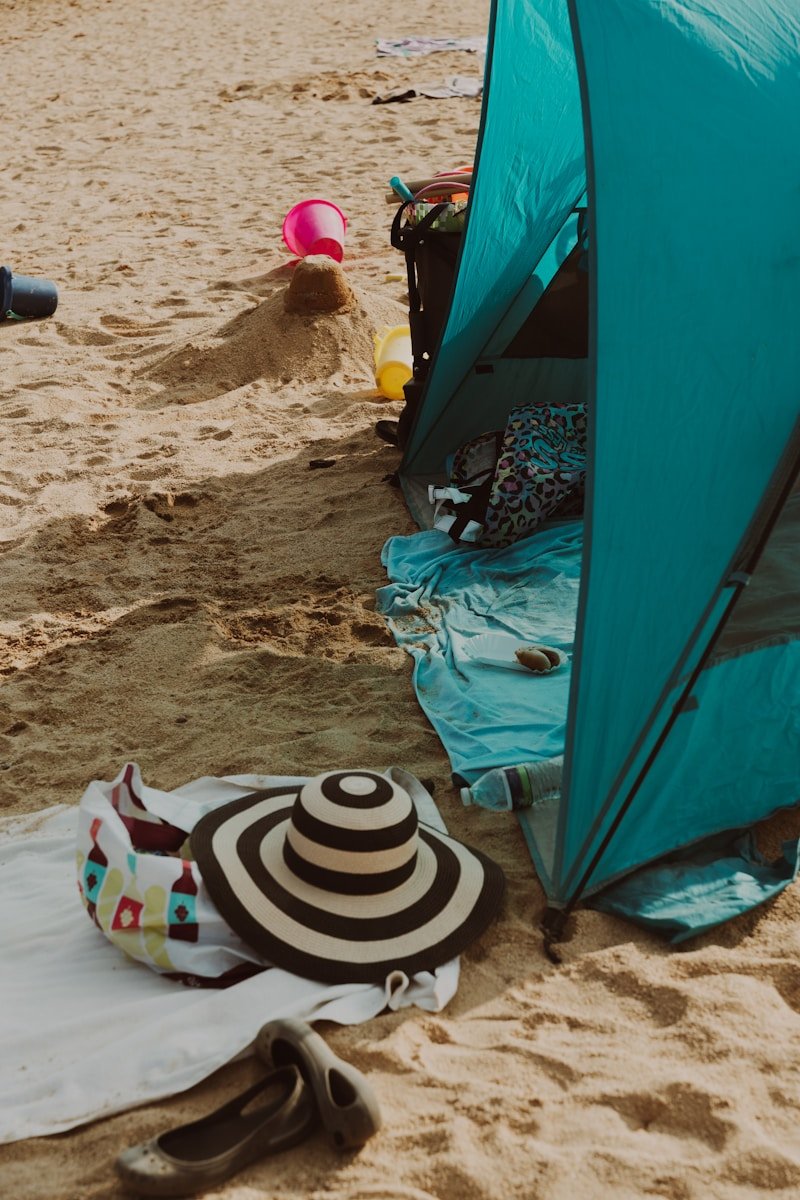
194	1157
347	1104
387	431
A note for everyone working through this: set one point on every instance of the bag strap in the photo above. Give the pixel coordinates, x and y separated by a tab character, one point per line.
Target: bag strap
407	238
465	513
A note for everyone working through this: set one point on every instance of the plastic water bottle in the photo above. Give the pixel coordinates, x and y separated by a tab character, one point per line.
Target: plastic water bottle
506	789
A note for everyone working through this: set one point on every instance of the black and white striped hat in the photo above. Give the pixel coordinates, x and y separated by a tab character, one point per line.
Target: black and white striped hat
338	882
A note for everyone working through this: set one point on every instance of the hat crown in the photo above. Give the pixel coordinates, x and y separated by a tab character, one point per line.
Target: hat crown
352	832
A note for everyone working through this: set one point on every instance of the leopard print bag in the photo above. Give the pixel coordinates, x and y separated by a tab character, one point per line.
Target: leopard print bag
538	471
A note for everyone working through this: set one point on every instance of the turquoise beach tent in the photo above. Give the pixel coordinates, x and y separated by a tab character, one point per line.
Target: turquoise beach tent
672	128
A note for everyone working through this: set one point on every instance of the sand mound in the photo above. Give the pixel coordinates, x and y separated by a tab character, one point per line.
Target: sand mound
318	285
268	342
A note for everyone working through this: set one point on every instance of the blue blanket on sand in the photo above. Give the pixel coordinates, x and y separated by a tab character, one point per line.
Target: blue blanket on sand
441	596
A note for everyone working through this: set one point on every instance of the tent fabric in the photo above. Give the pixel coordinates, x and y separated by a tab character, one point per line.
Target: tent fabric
689	112
710	776
769	609
684	897
441	596
695	388
530	174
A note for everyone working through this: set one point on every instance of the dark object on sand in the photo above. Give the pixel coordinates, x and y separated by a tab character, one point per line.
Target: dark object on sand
346	1102
387	431
204	1153
23	296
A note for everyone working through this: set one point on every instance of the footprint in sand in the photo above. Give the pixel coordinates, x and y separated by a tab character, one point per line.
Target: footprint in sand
168	505
125	327
679	1109
378	1192
34	384
76	336
11	499
210	433
117	508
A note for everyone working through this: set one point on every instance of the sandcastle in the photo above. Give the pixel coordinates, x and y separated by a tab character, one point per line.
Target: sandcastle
318	284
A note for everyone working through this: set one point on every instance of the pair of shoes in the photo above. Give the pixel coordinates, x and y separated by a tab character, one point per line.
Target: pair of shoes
347	1105
307	1083
273	1115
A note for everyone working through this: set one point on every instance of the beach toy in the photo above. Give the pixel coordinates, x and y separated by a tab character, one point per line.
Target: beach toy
315	227
23	296
451	197
451	190
393	361
461	175
397	185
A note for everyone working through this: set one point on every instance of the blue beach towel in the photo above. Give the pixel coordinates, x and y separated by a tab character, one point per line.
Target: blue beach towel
441	597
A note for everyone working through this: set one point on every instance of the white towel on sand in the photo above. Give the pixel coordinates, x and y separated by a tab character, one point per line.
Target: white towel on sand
408	46
86	1032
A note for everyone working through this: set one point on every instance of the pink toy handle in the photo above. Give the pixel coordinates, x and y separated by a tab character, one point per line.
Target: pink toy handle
444	184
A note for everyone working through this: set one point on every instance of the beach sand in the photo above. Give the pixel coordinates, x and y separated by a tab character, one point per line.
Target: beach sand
179	588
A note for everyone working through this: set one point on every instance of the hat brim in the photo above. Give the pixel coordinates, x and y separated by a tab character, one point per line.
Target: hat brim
448	901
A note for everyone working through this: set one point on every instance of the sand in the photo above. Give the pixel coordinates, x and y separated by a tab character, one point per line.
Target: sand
180	588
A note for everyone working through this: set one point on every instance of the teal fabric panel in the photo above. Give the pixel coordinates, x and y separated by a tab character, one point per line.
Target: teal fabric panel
712	774
690	895
441	595
530	174
694	182
769	609
539	826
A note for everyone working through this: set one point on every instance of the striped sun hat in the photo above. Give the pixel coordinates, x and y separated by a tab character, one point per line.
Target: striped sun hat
337	881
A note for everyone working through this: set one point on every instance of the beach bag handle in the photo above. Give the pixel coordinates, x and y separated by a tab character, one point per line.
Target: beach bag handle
407	238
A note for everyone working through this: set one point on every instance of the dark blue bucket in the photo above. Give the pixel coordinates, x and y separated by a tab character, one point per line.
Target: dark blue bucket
23	296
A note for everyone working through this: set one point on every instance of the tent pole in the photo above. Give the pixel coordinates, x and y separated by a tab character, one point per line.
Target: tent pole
554	920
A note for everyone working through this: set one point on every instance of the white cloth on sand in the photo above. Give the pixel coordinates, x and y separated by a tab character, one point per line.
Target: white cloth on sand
453	86
87	1032
408	46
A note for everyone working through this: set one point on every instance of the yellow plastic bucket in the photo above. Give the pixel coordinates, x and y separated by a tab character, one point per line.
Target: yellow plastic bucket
393	361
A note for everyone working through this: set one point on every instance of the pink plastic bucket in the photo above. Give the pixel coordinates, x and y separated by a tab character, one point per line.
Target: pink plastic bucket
315	227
